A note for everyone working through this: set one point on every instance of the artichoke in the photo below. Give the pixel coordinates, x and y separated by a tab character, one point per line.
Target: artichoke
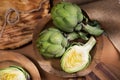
51	43
77	57
14	73
66	16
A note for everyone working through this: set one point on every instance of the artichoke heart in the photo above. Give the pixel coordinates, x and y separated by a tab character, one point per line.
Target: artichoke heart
77	57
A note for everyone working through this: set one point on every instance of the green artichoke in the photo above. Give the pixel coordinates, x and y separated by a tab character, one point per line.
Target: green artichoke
52	43
66	16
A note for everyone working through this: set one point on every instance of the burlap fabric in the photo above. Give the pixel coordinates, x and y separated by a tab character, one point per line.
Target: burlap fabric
18	18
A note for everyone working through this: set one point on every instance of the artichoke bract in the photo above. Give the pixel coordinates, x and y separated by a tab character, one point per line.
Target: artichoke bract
66	16
51	43
14	73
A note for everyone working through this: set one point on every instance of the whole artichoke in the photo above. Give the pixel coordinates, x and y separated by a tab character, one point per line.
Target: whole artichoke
66	16
51	43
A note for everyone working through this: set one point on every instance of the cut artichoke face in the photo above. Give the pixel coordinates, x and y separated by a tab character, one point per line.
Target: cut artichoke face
75	59
13	73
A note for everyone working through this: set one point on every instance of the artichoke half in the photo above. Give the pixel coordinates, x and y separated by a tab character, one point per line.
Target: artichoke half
77	57
51	43
14	73
66	16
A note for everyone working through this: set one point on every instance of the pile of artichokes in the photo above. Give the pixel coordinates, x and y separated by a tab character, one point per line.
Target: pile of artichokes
69	24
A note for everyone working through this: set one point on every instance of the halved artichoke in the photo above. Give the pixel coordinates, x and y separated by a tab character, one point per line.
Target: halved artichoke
14	73
77	57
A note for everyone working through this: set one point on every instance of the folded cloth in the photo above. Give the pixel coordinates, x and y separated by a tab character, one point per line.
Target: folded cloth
108	14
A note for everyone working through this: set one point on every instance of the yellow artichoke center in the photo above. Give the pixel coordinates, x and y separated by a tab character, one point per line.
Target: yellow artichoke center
74	59
8	76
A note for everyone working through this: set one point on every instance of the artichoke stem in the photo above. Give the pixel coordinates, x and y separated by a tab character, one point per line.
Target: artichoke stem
78	27
83	35
90	44
92	30
72	36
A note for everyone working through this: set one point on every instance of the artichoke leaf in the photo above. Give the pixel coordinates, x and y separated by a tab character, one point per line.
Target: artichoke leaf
61	25
54	49
56	38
